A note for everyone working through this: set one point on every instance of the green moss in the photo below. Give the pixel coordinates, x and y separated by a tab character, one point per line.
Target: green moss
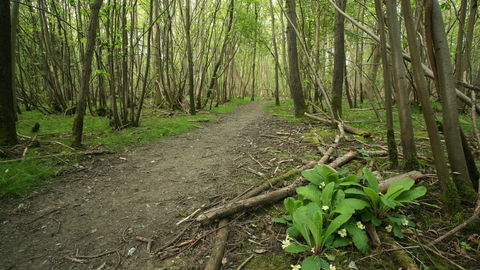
337	106
410	162
276	260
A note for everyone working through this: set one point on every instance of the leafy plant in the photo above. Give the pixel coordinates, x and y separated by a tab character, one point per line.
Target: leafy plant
330	210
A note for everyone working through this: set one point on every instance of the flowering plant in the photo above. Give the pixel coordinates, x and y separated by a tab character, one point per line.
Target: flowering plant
330	210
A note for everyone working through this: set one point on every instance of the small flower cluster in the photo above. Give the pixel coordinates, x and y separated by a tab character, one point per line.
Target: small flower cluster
286	242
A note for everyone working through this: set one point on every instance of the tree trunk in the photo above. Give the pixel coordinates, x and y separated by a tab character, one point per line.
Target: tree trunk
392	145
76	137
295	80
451	200
339	60
445	83
8	135
446	87
275	55
410	162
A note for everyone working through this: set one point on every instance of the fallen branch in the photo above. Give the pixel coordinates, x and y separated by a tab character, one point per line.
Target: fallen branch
233	207
347	128
95	256
344	159
215	260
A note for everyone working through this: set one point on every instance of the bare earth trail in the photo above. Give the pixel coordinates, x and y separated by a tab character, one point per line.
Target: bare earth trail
139	193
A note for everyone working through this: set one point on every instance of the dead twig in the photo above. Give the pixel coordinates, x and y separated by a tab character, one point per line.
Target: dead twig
245	262
95	256
74	259
212	231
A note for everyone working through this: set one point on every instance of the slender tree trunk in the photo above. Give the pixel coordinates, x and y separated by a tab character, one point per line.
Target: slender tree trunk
8	135
76	137
275	55
459	68
339	59
445	81
228	28
392	145
295	80
405	117
451	200
190	59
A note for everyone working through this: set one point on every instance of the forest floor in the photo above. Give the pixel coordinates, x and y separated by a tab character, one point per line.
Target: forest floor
92	217
102	215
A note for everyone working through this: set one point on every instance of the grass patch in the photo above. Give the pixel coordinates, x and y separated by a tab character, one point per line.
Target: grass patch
22	177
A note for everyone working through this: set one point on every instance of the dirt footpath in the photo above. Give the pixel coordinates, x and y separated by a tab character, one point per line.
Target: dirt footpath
92	218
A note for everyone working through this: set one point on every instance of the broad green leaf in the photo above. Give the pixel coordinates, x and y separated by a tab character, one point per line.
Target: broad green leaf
293	231
313	176
372	195
349	179
332	177
323	170
409	195
359	237
388	202
313	263
376	221
393	192
349	205
371	179
310	192
287	217
338	197
327	194
291	205
407	183
337	223
354	191
294	248
341	242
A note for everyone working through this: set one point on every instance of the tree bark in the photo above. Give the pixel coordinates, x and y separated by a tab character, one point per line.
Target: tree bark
76	137
410	161
295	80
446	87
191	85
392	145
338	60
8	135
451	201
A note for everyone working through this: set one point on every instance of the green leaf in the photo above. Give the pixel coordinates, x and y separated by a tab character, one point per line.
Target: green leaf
327	194
279	220
291	205
388	202
313	176
376	221
348	180
337	223
354	191
293	232
341	242
359	237
294	248
312	193
372	195
393	192
409	195
371	179
406	183
314	263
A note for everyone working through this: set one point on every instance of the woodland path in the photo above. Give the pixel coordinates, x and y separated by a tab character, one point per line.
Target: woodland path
141	192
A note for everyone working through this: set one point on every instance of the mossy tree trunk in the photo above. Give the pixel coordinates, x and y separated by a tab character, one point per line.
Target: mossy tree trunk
8	135
451	200
392	145
445	83
406	127
76	137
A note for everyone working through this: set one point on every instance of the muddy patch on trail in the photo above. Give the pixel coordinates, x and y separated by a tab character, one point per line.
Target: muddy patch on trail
106	215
